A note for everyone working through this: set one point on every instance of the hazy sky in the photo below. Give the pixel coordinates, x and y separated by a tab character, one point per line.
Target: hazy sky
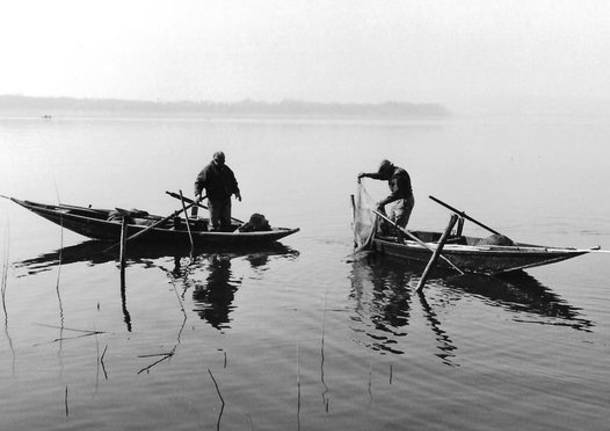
334	50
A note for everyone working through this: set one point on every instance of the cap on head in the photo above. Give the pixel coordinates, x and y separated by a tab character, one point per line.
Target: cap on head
219	157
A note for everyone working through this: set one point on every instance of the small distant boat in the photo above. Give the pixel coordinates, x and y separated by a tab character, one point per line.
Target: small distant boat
105	224
47	117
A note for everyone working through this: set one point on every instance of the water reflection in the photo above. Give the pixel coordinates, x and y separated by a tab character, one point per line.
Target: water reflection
214	297
520	293
126	315
383	291
208	273
385	297
94	253
213	294
444	343
383	304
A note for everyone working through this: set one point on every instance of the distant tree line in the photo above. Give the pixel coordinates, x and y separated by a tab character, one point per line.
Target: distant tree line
47	105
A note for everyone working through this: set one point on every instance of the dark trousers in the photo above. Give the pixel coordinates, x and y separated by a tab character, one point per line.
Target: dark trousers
220	214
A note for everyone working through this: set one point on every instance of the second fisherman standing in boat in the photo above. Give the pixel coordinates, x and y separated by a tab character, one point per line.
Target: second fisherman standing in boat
220	184
401	191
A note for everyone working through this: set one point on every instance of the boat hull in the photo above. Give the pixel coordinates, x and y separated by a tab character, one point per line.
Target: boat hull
479	259
102	229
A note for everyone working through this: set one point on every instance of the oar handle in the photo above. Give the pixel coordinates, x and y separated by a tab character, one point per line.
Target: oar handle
152	226
199	204
463	215
188	226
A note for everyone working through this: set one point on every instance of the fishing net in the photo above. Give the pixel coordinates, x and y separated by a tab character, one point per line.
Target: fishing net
364	224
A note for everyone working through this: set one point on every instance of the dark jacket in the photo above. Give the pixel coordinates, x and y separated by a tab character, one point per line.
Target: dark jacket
399	182
218	181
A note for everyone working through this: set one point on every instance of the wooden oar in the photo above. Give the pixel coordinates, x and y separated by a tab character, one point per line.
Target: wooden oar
123	243
199	204
188	226
463	214
152	226
437	252
417	240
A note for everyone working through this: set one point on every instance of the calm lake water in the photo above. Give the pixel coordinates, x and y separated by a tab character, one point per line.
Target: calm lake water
302	335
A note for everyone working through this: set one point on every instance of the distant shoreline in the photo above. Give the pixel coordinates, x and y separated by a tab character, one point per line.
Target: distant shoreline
47	107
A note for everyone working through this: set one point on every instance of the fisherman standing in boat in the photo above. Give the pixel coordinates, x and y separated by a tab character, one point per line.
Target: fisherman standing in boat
400	191
220	184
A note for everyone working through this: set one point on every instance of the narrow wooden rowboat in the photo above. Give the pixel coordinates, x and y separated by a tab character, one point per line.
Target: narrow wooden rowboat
98	224
471	255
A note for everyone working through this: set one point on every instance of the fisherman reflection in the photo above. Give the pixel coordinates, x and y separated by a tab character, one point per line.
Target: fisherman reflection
382	301
214	297
391	300
384	296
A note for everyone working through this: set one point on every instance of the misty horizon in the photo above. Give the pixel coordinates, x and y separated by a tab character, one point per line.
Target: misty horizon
20	103
16	104
467	56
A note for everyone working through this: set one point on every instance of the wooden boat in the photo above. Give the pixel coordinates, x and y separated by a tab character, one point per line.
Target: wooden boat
99	224
466	253
470	254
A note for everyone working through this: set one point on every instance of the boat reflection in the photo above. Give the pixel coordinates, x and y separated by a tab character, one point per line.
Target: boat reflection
384	292
207	273
520	292
95	252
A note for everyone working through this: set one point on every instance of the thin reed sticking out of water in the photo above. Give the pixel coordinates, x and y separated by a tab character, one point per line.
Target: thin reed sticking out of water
298	388
59	301
66	402
101	360
325	399
4	279
222	406
97	364
165	356
103	354
172	352
178	297
85	333
3	286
